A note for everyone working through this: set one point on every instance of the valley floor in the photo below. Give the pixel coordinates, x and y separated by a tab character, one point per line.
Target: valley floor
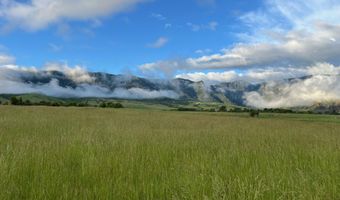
92	153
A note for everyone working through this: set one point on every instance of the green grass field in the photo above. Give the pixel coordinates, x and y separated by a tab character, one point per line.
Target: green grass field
92	153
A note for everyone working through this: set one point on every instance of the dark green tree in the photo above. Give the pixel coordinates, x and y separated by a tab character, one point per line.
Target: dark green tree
103	105
14	101
254	113
222	109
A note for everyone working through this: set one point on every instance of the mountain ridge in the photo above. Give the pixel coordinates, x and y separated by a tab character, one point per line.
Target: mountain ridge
105	85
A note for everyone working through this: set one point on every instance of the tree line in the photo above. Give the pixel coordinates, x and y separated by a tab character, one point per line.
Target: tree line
254	112
18	101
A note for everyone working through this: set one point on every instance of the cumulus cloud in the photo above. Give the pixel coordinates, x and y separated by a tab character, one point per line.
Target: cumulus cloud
37	14
283	34
294	48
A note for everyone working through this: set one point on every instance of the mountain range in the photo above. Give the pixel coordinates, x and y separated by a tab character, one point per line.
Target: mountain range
180	89
104	85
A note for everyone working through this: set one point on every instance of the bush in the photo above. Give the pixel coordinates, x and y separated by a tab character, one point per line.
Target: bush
27	102
56	104
102	105
222	109
254	113
114	105
16	101
186	109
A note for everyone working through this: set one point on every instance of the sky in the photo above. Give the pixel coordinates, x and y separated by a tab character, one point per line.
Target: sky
209	40
169	38
117	36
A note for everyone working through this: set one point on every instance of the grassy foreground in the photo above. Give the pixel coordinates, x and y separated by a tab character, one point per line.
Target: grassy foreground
89	153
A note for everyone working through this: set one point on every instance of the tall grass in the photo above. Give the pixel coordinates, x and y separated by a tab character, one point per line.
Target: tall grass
88	153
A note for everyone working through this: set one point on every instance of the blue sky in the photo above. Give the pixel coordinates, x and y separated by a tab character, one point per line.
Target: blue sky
122	41
163	38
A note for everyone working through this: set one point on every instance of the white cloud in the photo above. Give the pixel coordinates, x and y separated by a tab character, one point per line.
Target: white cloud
138	93
258	75
198	27
77	73
160	42
320	86
210	76
295	48
212	25
318	89
158	16
54	47
38	14
6	59
203	51
284	34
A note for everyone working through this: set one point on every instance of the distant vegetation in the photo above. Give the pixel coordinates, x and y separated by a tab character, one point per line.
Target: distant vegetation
164	104
18	101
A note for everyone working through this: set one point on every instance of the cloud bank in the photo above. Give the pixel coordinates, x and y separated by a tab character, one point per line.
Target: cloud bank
295	48
281	86
320	84
317	89
259	75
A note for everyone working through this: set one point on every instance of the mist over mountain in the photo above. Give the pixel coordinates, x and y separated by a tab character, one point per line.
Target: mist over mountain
79	83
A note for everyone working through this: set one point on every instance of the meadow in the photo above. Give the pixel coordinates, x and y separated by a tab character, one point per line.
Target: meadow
93	153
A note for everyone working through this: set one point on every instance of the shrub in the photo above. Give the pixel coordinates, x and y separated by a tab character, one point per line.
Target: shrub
222	109
254	113
27	102
102	105
186	109
15	101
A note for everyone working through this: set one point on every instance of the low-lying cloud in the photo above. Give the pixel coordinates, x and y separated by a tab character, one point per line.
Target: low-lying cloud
259	75
315	84
12	81
317	89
